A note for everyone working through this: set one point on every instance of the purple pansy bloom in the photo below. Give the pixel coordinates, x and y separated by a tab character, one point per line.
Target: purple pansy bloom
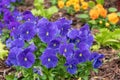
12	57
54	44
72	34
19	43
13	25
28	16
83	46
49	58
66	49
17	15
71	64
27	30
96	59
26	58
47	31
82	56
63	25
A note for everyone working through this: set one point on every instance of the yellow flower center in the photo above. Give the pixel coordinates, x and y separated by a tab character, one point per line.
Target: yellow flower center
80	54
25	59
47	33
65	50
49	59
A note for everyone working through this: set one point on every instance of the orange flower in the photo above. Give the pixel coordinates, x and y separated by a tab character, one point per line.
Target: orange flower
60	4
94	14
84	5
113	18
103	12
99	6
77	7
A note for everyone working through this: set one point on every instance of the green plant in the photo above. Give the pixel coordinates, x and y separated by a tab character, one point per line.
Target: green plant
39	9
3	52
108	38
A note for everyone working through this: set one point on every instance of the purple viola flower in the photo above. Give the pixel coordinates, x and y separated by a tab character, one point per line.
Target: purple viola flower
8	18
66	49
27	30
85	35
63	25
15	33
82	56
71	64
72	34
13	25
83	46
26	58
17	15
49	58
28	16
47	31
96	58
54	44
19	43
12	56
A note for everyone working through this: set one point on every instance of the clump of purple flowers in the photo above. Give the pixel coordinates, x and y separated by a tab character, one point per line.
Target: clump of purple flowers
27	33
61	39
71	43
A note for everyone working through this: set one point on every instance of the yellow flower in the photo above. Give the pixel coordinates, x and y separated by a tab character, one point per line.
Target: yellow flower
68	4
77	7
60	4
84	5
107	24
100	22
81	0
94	14
113	18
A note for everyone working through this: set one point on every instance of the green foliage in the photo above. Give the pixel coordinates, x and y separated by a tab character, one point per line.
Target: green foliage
41	11
108	38
83	16
3	51
91	4
100	1
112	9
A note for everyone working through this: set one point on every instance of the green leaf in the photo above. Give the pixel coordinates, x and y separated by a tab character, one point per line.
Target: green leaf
112	9
92	22
9	77
91	4
51	11
118	13
100	1
84	16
